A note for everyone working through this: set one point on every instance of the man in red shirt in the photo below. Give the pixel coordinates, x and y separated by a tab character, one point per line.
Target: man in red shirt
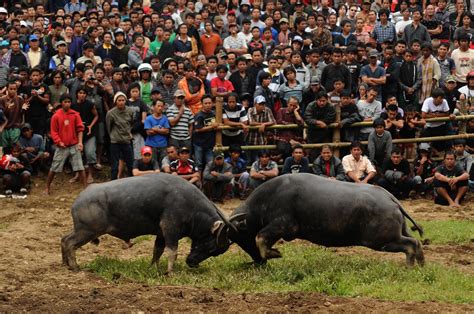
66	131
220	86
186	168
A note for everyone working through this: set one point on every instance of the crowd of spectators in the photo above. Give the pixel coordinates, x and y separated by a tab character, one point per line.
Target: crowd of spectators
134	84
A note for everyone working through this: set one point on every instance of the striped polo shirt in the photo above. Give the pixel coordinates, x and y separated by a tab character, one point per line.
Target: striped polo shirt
180	131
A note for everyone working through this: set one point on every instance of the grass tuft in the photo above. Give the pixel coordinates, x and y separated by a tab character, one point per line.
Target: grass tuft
303	268
448	231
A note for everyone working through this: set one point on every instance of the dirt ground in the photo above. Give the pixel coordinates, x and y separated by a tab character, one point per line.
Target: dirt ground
33	279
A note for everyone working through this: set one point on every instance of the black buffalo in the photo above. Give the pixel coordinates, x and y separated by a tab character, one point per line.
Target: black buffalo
325	212
160	204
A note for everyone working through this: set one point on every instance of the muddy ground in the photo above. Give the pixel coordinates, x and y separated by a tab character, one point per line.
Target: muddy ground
33	279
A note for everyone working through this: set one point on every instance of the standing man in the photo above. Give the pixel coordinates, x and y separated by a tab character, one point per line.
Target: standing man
66	132
157	128
181	120
204	133
119	122
373	74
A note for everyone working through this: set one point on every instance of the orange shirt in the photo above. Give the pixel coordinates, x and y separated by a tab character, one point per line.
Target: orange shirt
210	43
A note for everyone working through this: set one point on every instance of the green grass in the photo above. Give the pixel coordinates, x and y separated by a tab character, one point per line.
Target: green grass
3	226
303	268
448	231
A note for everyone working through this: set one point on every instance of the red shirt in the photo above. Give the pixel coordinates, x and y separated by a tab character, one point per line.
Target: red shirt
222	86
65	127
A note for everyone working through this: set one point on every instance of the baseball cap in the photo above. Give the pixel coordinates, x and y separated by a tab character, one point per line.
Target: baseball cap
450	78
179	92
299	2
34	37
259	100
373	53
124	66
61	42
284	20
23	23
3	10
298	38
367	1
217	18
119	31
146	150
155	90
247	56
470	75
424	146
26	126
231	12
218	154
184	149
314	80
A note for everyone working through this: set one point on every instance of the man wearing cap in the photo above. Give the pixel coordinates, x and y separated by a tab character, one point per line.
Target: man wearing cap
122	47
146	164
217	175
61	61
35	53
260	116
181	120
373	74
452	94
185	167
32	147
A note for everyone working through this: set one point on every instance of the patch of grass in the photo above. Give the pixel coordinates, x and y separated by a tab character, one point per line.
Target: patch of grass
3	226
303	268
448	231
142	239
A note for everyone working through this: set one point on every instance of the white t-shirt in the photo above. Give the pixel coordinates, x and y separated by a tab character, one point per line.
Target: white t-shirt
466	91
430	107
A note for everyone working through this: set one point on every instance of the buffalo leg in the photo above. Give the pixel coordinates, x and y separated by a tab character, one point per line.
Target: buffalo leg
73	241
404	244
284	228
158	250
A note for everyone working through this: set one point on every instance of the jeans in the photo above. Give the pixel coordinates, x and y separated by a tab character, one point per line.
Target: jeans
202	156
124	152
90	151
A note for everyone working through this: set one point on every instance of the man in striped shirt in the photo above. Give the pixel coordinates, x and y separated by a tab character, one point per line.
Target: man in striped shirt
181	120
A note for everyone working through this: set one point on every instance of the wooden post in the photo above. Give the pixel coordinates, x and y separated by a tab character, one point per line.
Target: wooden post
336	135
219	108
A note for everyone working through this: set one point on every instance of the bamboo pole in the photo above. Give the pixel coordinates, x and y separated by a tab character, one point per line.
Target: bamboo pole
346	144
335	125
219	109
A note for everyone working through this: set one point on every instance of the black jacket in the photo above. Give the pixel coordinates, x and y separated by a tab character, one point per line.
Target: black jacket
236	80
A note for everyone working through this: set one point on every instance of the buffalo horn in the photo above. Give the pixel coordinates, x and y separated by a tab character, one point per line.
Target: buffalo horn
224	218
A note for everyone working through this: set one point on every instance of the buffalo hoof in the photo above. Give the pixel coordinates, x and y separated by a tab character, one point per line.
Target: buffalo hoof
75	269
273	253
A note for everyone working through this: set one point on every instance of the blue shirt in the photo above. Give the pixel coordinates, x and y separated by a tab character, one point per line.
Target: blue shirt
157	140
378	73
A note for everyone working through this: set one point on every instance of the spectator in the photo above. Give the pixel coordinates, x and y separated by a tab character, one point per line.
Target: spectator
32	147
451	182
369	109
68	140
346	38
416	30
15	57
334	70
429	70
220	86
242	80
38	97
396	175
373	74
234	114
380	143
424	168
210	40
146	83
193	87
140	110
157	128
261	117
297	162
264	90
436	106
119	122
349	115
146	164
217	176
446	64
262	170
185	167
167	87
204	133
16	172
358	168
171	155
463	158
181	120
410	81
240	174
138	52
393	119
12	107
328	166
290	115
318	115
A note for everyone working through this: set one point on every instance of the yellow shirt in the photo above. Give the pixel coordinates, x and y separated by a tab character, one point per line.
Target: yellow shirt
361	167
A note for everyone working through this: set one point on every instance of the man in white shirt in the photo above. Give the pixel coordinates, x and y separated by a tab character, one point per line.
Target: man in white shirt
358	168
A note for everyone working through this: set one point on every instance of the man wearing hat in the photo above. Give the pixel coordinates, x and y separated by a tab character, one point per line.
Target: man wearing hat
261	116
61	61
217	176
36	55
185	167
181	120
146	164
452	94
32	147
373	74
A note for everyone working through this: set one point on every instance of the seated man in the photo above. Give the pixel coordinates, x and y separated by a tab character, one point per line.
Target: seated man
262	169
146	164
451	182
16	172
32	147
358	168
239	171
171	155
185	167
329	166
297	162
217	175
396	175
